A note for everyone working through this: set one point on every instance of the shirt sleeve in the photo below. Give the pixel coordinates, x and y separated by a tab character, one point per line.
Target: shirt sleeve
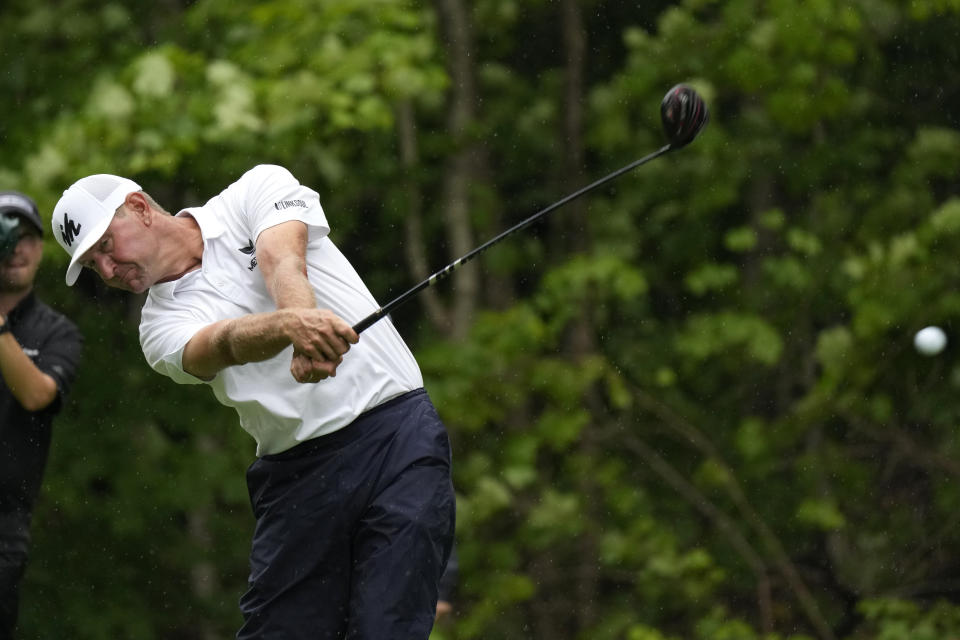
272	195
60	356
165	331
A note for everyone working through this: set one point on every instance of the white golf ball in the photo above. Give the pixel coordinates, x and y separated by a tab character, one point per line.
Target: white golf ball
930	341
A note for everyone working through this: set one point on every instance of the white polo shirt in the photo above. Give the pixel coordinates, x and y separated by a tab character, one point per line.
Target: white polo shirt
274	408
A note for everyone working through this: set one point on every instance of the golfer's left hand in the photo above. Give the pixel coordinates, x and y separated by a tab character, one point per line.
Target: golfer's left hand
303	368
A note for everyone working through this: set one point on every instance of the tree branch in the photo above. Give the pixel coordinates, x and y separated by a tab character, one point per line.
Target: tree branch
772	543
724	523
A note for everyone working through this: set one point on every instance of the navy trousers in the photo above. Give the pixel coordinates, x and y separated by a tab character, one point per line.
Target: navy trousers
353	530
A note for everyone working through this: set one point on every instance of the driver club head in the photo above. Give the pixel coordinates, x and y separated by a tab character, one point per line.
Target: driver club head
684	114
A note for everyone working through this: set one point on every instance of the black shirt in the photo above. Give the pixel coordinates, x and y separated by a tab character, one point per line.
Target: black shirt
53	343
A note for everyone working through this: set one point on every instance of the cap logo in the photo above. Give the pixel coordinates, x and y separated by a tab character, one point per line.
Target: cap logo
69	230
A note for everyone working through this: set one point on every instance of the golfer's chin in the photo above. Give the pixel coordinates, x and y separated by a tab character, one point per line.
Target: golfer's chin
138	289
134	285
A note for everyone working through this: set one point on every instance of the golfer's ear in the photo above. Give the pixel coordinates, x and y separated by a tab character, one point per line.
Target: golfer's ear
138	205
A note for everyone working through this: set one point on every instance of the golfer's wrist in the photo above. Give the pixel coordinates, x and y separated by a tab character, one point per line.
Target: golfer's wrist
287	320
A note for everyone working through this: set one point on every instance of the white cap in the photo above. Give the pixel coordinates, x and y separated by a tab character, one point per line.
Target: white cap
84	212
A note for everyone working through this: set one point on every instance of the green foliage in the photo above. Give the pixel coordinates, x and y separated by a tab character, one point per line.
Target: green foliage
889	618
712	334
720	626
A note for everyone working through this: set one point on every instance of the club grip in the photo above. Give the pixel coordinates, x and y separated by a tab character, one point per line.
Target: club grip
368	321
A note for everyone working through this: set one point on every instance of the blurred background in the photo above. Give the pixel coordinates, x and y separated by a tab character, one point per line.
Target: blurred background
686	406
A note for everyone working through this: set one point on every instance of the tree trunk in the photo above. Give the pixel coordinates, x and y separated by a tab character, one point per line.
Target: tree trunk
581	341
458	40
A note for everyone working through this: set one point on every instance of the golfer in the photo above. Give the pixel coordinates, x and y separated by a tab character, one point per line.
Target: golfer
351	487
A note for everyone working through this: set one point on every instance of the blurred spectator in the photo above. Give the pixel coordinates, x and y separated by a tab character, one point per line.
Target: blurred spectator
39	351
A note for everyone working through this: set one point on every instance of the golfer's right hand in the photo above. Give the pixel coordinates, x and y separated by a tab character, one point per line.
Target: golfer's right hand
319	338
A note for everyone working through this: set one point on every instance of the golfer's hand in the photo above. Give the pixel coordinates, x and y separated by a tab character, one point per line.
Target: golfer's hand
319	338
303	368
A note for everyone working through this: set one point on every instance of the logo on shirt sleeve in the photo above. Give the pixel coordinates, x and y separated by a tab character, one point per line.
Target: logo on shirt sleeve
286	204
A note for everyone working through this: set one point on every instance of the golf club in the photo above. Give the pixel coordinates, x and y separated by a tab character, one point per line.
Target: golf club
683	114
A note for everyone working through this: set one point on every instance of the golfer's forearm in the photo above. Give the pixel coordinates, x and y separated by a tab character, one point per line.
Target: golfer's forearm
288	285
281	252
227	343
32	388
254	338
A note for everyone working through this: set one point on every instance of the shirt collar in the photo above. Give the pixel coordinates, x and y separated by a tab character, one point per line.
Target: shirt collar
210	228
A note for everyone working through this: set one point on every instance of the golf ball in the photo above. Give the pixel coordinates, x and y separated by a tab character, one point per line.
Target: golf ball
930	341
